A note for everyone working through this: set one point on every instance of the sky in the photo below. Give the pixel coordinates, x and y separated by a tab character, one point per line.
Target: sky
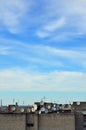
42	51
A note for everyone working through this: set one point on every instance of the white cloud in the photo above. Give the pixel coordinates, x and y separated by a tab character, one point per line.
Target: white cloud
54	17
12	14
51	27
72	23
42	33
45	56
22	80
55	24
76	15
4	50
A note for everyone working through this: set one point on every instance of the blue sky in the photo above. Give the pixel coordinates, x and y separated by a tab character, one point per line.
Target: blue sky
42	50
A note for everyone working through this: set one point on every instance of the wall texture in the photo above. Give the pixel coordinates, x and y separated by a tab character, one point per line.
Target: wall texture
12	122
57	122
78	121
52	121
32	122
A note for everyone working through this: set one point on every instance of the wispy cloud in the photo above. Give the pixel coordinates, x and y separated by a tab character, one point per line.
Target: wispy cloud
45	56
51	27
34	54
12	14
72	20
21	80
55	24
55	20
4	50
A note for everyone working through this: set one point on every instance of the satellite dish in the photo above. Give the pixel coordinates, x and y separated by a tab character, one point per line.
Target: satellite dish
35	107
13	108
39	111
22	110
41	103
78	103
46	111
54	105
71	103
32	109
48	106
42	109
53	108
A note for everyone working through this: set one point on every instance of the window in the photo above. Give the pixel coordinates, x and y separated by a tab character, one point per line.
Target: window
30	124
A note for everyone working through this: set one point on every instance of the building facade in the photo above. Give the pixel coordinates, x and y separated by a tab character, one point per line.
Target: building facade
37	122
62	119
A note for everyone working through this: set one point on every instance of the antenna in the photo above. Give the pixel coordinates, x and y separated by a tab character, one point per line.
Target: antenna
13	100
51	100
42	103
44	98
1	102
23	102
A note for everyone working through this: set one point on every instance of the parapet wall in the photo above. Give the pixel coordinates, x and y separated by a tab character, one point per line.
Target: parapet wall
12	122
57	122
52	121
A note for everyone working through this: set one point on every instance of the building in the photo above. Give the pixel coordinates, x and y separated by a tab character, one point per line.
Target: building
64	117
80	115
22	121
